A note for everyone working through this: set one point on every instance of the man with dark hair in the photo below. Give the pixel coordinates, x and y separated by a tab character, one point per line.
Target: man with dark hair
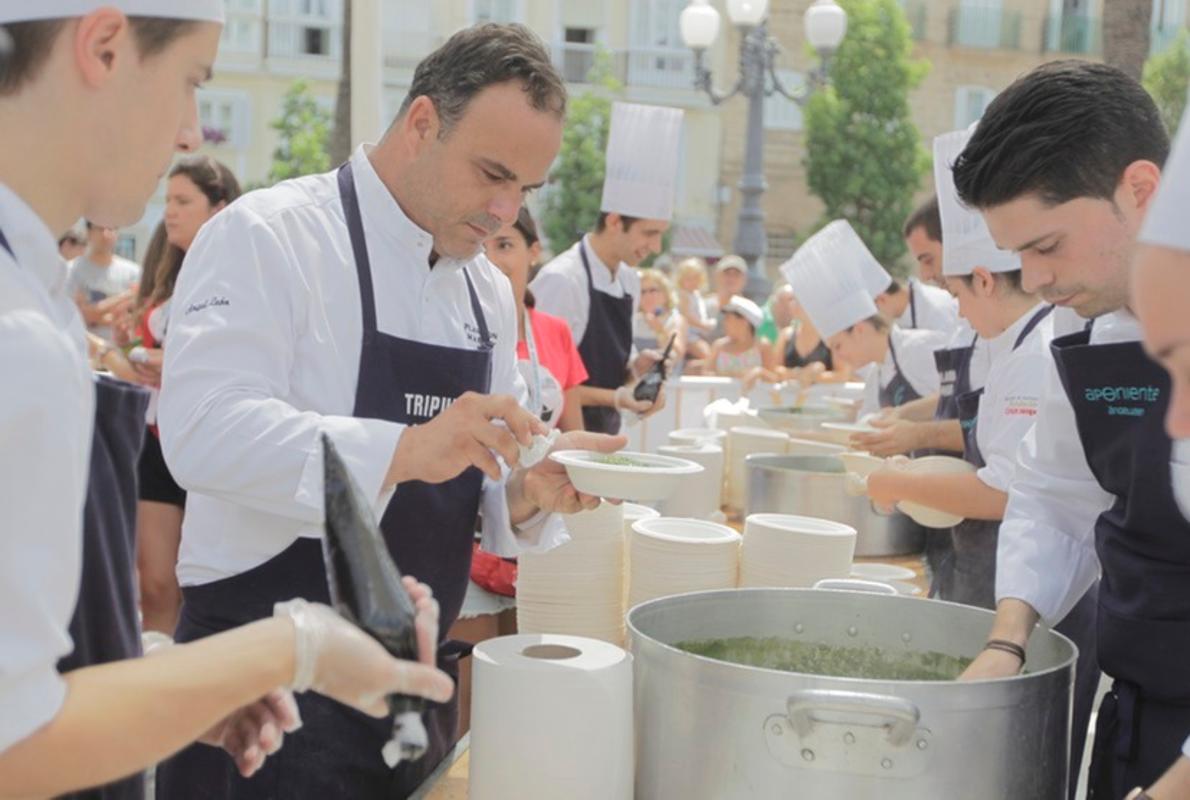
358	304
923	237
1064	166
125	71
594	285
100	281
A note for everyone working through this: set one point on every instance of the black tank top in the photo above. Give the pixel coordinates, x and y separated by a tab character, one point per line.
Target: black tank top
820	353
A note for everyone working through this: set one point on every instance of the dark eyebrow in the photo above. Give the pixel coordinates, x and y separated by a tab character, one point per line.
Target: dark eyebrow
504	172
1034	242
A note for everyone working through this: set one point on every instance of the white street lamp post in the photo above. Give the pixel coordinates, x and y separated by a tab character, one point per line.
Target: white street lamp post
826	25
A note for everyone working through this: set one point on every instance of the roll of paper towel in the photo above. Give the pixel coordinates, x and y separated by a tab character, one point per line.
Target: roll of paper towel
551	717
702	494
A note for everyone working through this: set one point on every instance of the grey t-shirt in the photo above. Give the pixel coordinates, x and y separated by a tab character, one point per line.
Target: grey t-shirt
96	283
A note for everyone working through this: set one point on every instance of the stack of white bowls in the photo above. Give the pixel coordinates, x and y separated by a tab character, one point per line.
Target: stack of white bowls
785	550
671	555
701	495
577	589
741	443
698	436
633	513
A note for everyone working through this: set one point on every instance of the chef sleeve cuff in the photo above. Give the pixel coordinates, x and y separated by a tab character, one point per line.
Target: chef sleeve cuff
366	446
1043	567
29	702
997	473
543	531
1186	748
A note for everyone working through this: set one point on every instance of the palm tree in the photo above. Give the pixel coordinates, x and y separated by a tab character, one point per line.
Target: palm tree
340	141
1126	25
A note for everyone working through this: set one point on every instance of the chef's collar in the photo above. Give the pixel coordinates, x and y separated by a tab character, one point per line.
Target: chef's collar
34	246
1003	343
596	263
386	221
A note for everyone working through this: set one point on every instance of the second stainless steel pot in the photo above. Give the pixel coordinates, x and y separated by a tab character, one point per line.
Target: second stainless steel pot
813	486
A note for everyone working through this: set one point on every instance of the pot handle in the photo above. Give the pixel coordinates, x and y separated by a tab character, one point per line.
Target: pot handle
854	585
896	714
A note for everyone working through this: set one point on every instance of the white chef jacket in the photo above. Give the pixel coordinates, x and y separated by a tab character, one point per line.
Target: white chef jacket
561	286
915	354
262	355
47	413
937	310
1165	224
1046	554
1011	396
981	357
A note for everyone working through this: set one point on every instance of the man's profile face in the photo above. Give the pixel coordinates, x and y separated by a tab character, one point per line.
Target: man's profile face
473	180
927	254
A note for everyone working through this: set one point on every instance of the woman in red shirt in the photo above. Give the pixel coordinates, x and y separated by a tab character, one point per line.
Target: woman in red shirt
550	362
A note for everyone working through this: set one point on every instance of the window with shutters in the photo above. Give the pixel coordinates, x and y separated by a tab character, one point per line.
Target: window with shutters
225	117
503	11
970	103
306	28
781	113
1167	20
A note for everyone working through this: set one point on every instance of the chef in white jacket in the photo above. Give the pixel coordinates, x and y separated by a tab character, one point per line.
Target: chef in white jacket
359	304
914	305
1161	289
125	71
829	274
594	285
1067	184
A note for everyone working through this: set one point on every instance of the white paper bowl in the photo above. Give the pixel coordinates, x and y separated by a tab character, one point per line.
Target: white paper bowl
657	481
696	436
934	465
678	529
842	432
883	573
860	463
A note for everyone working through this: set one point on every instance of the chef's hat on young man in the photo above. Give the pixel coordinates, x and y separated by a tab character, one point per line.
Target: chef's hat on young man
641	175
828	277
966	241
33	10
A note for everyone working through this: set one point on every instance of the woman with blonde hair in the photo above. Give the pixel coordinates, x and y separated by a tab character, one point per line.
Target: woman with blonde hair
691	278
657	318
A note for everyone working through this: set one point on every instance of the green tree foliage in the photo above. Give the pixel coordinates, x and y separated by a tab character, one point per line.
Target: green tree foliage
571	204
304	131
1167	77
864	155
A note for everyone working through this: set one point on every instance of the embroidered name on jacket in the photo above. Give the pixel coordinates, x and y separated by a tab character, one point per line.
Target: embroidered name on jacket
1123	394
425	406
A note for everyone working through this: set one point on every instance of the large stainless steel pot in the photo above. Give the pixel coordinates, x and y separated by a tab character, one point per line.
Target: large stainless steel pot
813	486
800	419
707	729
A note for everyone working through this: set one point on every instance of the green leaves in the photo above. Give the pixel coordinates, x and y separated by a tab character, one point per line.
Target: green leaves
864	155
1167	78
304	129
571	204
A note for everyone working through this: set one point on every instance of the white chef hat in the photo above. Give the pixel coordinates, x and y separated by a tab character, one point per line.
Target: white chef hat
745	308
875	277
642	161
31	10
966	241
828	277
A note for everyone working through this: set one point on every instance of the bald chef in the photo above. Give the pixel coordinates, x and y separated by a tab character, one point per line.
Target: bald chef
359	304
593	285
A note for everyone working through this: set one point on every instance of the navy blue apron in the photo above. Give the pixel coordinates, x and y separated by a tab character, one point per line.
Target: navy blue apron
954	373
1120	397
899	390
429	530
912	306
605	348
106	625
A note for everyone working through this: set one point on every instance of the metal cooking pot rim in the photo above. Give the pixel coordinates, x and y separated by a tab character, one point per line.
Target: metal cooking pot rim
858	682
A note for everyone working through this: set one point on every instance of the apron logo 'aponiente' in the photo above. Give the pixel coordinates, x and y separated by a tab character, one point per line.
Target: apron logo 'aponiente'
1125	394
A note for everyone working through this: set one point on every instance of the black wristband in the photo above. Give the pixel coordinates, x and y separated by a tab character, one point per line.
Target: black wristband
1006	646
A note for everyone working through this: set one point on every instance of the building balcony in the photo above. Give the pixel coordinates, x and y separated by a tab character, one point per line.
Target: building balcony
916	12
649	67
1072	34
984	29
